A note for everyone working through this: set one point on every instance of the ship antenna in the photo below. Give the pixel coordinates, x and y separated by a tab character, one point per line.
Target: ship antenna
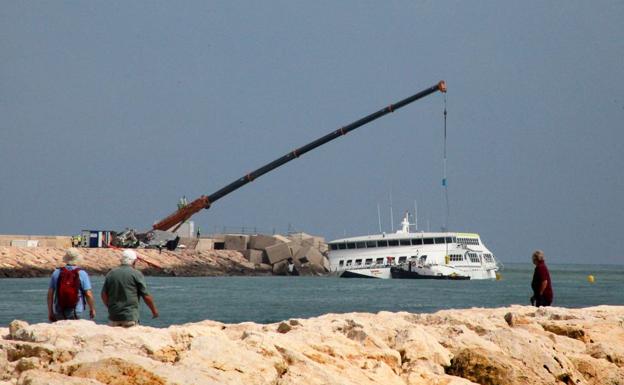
391	214
415	215
379	217
444	180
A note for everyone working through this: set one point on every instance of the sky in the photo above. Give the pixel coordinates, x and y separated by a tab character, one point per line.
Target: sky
112	111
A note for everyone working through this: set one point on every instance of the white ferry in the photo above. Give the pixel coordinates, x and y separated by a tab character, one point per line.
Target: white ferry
405	254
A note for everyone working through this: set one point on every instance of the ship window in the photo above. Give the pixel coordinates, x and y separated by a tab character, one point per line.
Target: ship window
341	263
382	243
473	257
333	247
402	259
360	245
393	242
439	240
417	241
449	240
358	262
405	242
369	261
453	240
428	241
379	261
457	257
371	243
342	246
351	245
349	262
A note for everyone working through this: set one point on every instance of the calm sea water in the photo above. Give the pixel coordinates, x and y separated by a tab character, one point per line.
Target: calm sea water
271	299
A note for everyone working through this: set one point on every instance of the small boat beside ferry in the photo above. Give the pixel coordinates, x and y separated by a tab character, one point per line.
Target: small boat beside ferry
413	255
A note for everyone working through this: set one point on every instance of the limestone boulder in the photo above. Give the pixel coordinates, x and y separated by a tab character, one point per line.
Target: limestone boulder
450	347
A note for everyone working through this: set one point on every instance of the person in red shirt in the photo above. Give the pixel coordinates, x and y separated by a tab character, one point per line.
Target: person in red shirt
541	284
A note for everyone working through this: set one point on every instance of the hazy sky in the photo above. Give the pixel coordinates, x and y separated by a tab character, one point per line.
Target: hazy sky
111	111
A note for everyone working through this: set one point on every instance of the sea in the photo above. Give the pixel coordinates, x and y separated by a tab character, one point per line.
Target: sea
272	299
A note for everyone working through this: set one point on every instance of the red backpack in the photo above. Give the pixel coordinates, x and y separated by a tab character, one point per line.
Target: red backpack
67	288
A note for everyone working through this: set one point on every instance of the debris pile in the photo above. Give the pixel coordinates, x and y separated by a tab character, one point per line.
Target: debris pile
294	254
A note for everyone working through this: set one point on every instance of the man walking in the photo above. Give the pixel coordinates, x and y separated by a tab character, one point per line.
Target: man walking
122	289
69	289
541	283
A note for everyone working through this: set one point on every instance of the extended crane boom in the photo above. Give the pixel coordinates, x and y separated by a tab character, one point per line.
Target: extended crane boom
174	220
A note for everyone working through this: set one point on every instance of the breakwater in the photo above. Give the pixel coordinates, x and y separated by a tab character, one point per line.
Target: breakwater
20	262
511	345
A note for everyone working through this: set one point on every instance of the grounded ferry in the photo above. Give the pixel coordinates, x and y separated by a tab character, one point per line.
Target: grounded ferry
405	254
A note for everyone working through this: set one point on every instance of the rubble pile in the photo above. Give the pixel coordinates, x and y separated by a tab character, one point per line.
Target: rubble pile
294	254
227	255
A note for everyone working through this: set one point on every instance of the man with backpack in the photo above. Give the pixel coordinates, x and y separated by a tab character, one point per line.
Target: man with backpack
69	290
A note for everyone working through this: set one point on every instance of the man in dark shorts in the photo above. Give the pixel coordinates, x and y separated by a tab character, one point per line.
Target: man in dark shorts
541	283
122	289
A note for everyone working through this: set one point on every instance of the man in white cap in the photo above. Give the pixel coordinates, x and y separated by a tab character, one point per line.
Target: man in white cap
69	289
122	289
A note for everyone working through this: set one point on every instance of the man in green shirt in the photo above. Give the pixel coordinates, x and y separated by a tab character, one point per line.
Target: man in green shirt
122	289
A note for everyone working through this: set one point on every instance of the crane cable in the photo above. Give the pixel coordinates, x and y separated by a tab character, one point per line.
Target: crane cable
444	180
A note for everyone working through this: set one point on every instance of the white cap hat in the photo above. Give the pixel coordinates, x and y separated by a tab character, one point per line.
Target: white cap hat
72	256
128	257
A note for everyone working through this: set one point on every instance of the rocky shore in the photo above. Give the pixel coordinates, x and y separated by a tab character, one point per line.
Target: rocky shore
515	345
19	262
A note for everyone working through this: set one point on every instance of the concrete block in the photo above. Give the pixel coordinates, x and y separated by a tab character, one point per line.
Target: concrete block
281	238
294	247
236	242
326	265
308	254
261	242
264	267
280	268
24	243
299	236
188	243
309	269
255	256
204	244
278	252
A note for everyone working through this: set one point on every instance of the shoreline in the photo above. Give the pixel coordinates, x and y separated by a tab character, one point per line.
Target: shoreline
509	345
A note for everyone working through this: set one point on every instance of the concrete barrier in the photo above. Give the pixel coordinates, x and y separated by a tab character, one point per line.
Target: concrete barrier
261	242
236	242
278	253
255	256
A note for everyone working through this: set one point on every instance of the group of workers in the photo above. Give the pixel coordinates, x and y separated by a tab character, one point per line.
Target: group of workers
70	291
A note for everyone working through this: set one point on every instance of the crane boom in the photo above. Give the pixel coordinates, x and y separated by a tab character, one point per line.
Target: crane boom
203	202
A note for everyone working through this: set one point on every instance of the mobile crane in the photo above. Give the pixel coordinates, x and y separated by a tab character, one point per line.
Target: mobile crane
129	238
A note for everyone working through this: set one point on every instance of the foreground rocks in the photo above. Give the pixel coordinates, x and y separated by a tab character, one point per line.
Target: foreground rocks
41	261
516	345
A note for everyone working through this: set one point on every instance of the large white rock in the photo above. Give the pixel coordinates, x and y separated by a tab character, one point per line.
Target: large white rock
451	347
